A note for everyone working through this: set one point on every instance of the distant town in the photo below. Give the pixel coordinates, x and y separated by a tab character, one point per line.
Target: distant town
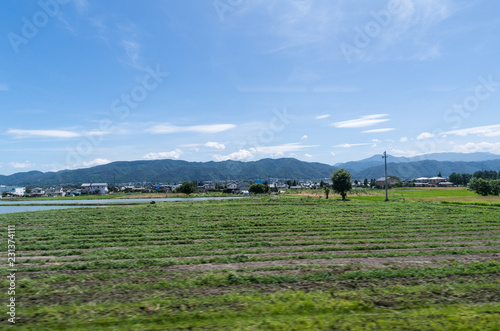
236	187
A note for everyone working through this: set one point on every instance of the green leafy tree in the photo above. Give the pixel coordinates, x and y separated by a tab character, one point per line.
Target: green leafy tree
187	188
327	190
365	182
341	182
257	188
480	186
495	187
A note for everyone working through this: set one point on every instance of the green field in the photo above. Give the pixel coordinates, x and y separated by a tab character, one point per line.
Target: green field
278	263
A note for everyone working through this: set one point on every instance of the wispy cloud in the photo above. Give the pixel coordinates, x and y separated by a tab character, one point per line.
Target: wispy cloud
81	5
51	133
273	151
320	117
22	165
361	122
379	130
478	147
280	150
209	128
132	50
175	154
96	162
484	131
351	145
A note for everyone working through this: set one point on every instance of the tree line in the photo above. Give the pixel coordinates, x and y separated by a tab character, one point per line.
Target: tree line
464	179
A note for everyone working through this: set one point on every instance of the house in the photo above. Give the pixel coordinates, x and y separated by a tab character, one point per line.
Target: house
434	181
233	186
391	182
55	192
37	192
12	190
445	184
209	187
422	182
95	188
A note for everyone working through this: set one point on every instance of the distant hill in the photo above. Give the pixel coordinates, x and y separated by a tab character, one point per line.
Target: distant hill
176	171
427	168
376	160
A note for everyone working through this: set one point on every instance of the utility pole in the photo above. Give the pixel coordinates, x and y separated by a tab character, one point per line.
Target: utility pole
385	159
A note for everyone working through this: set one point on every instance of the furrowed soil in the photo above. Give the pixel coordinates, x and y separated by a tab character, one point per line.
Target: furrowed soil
284	262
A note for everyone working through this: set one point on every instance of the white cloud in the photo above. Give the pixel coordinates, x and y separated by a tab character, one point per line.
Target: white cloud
280	149
273	151
478	147
405	153
210	144
308	155
19	165
320	117
164	155
96	162
304	137
44	133
482	131
379	130
216	145
351	145
361	122
425	135
403	139
242	154
333	153
52	133
211	128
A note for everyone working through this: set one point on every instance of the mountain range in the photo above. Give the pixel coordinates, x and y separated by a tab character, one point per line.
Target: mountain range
176	171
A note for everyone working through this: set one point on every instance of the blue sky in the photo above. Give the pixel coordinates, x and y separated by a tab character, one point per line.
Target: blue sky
86	82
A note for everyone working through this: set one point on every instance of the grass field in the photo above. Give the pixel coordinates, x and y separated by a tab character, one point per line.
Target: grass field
284	263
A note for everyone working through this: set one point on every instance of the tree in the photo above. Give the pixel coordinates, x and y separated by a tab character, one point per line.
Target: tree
327	190
365	182
342	183
480	186
257	188
495	187
466	178
439	174
187	188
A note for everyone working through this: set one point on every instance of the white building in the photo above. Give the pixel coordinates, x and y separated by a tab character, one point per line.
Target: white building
12	190
95	188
